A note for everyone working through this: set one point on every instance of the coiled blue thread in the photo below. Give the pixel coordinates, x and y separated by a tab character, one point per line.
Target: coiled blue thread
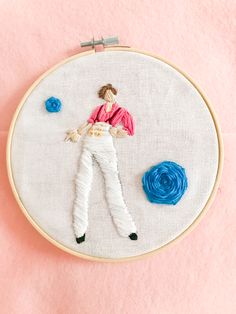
165	183
53	104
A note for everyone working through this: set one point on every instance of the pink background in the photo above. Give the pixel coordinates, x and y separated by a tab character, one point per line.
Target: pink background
198	274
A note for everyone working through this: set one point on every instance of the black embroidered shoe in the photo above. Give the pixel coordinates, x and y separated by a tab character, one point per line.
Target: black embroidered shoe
133	236
80	239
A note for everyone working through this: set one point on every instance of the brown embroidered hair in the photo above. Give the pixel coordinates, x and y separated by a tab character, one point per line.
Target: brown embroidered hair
102	91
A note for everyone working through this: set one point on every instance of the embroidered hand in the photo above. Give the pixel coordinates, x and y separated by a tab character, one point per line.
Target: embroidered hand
113	132
121	133
72	136
118	132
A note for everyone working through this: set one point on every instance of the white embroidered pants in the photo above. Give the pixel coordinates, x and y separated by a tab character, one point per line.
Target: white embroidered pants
101	149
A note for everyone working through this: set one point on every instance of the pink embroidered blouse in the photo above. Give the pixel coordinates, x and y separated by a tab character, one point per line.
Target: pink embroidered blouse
117	115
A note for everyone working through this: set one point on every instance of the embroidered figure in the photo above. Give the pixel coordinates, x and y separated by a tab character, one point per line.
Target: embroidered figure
106	121
165	183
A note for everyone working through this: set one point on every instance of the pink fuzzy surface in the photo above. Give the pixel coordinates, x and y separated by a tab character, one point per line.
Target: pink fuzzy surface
196	275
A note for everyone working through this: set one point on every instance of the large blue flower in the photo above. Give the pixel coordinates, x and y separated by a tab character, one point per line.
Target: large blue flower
165	183
53	104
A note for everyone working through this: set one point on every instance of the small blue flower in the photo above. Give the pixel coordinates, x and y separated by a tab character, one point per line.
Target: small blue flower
165	183
53	104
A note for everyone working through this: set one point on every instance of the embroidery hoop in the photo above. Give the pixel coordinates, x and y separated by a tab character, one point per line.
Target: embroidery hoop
43	232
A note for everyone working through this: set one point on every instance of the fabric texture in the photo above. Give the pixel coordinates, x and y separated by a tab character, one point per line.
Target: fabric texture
172	123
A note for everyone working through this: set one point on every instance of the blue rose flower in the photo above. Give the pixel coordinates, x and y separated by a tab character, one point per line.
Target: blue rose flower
165	183
53	104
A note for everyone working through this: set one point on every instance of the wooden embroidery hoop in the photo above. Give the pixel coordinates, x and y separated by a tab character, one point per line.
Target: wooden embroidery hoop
43	232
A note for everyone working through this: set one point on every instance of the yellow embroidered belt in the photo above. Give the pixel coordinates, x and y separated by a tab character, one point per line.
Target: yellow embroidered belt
98	129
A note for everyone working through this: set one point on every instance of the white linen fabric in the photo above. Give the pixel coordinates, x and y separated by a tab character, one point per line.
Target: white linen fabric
172	123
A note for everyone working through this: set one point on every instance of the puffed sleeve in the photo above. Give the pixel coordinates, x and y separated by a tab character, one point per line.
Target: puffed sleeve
94	115
128	123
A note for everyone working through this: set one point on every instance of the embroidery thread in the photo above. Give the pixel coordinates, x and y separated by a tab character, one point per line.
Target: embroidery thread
106	121
53	104
165	183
